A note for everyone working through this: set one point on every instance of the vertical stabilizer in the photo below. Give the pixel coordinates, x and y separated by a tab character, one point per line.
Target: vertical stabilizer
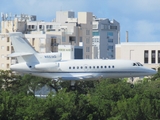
25	52
20	44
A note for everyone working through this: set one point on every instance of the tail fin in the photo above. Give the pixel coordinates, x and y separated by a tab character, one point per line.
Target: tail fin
23	50
20	44
26	53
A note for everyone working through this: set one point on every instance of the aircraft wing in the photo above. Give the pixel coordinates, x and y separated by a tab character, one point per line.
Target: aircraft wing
19	54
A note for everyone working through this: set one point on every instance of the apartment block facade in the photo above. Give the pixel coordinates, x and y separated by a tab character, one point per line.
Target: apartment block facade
105	36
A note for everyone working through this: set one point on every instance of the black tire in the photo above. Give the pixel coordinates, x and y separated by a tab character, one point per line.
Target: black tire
73	88
132	86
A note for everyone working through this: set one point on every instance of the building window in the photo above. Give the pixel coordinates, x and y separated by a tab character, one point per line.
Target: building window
2	56
2	38
109	33
7	48
87	49
80	39
63	39
158	56
7	58
146	56
7	39
110	40
40	27
87	56
87	32
2	47
110	47
7	65
153	56
87	40
95	26
95	33
113	27
2	65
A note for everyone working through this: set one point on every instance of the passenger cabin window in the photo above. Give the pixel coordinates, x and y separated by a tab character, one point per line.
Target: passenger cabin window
94	67
90	67
112	66
105	66
97	66
108	66
81	67
73	67
69	67
101	66
77	67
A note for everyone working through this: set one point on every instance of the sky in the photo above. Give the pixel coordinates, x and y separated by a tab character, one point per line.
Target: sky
141	18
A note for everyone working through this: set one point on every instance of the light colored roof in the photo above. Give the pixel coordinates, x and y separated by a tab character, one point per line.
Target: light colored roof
139	43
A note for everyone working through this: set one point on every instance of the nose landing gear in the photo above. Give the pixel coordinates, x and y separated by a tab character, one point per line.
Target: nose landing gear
132	84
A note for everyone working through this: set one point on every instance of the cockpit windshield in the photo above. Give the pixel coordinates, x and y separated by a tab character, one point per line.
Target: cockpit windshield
137	64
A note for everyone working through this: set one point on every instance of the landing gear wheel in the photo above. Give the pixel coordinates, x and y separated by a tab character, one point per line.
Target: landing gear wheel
72	88
132	86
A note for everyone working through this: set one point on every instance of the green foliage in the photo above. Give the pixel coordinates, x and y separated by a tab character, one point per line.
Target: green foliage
106	99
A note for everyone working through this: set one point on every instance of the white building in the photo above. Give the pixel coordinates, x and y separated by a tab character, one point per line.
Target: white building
147	53
67	51
105	36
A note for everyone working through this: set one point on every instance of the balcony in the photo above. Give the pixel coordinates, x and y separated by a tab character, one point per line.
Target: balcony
54	44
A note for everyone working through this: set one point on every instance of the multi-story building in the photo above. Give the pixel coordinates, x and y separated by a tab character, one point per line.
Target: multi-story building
147	53
105	36
46	36
67	29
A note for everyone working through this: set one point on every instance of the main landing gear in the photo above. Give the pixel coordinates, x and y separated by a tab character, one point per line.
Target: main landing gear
132	84
73	85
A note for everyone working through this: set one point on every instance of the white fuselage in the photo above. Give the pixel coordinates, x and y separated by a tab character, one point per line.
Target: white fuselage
85	69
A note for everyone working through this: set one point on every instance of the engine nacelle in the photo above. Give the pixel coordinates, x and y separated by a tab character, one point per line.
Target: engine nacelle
47	66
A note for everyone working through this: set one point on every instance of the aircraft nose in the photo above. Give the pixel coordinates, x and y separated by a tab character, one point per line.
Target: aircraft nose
152	71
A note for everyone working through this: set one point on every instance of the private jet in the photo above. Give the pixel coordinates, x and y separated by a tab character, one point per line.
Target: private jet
50	65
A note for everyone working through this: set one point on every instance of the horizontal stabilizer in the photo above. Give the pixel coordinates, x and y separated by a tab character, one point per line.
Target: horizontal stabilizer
19	54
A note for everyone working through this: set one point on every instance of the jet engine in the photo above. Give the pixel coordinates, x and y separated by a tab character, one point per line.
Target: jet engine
53	66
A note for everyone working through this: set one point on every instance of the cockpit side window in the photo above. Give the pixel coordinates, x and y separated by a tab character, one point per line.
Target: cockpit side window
134	64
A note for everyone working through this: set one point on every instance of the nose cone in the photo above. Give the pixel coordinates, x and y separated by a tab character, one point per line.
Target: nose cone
152	71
